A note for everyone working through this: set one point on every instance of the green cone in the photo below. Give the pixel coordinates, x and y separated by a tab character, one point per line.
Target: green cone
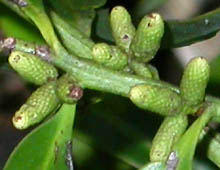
122	28
41	103
194	81
169	132
32	68
148	37
156	99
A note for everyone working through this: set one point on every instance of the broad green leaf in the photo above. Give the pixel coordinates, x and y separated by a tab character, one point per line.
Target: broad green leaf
76	42
48	147
14	26
81	19
182	33
35	10
143	7
177	33
77	13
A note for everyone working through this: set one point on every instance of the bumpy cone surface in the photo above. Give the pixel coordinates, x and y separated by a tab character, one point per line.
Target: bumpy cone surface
110	56
169	132
156	99
194	81
32	68
41	103
148	37
122	28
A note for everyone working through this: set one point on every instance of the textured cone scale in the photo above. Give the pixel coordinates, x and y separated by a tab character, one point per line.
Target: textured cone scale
109	56
122	28
67	90
41	103
194	81
148	37
169	132
32	68
156	99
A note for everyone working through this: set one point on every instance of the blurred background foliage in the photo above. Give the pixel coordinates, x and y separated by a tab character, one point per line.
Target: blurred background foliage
110	132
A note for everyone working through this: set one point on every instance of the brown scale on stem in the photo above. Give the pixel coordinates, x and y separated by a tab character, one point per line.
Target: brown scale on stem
7	45
43	52
76	92
20	3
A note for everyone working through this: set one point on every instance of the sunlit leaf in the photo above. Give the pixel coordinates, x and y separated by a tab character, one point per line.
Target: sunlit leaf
48	146
14	26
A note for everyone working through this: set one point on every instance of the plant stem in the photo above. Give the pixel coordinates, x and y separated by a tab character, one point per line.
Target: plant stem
93	76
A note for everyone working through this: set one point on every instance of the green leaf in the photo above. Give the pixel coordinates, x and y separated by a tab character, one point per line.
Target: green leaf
14	26
81	19
72	38
36	12
77	13
182	33
48	146
143	7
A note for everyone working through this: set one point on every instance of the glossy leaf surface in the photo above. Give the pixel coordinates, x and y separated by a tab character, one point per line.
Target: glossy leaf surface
48	146
182	33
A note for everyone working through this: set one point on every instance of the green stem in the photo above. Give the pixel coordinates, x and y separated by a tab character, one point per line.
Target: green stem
93	76
88	73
